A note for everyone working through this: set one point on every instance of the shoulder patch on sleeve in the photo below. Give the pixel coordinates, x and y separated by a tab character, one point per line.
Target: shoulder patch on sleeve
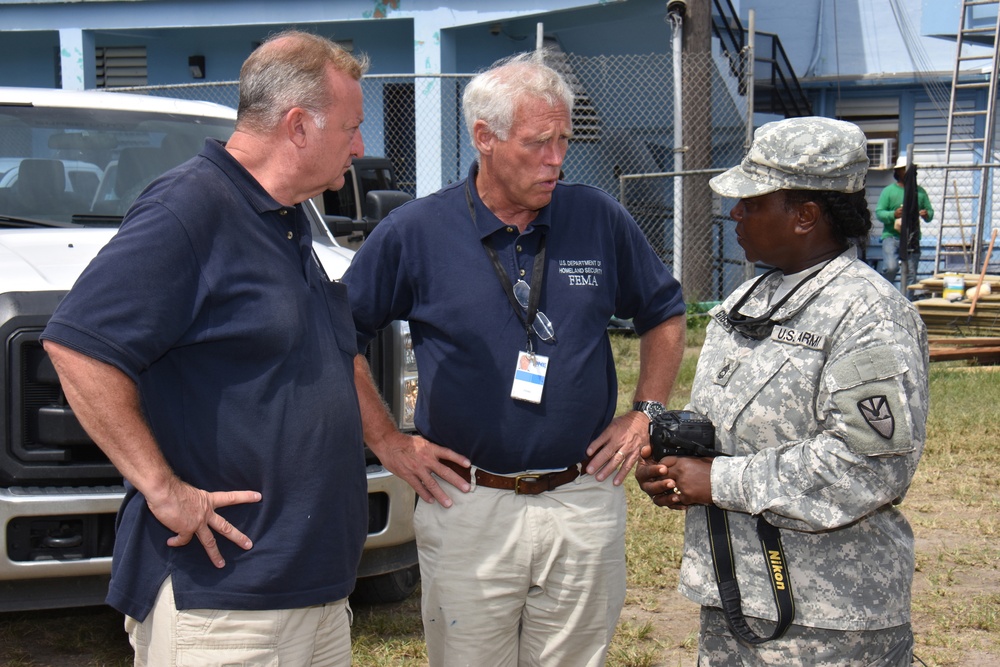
866	391
875	418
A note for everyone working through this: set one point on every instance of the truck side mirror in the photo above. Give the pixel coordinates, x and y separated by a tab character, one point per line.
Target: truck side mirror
379	203
341	225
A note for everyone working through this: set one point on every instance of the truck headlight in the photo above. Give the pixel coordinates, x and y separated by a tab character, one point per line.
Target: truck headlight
406	342
409	402
406	391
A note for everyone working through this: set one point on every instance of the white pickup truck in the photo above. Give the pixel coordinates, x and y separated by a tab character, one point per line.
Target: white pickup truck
70	165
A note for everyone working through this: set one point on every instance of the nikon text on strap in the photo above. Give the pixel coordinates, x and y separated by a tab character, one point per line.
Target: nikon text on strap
729	588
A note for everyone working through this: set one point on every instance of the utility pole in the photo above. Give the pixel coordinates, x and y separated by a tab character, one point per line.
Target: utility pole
697	75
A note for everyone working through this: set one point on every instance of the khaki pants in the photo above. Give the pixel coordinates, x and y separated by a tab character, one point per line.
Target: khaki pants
317	636
523	580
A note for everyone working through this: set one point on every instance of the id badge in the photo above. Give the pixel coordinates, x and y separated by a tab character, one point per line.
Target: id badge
529	377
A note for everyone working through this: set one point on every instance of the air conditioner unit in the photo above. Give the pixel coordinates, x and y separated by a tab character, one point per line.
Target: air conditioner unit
880	153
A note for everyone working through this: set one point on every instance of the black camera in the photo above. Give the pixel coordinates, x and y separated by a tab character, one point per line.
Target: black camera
682	433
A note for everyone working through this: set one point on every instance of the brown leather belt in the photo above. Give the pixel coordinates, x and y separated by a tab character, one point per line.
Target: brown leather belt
530	484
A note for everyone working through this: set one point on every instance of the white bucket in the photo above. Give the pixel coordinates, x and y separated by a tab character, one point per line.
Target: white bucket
954	287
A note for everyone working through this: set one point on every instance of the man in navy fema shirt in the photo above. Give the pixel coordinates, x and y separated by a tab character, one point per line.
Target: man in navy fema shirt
205	353
508	280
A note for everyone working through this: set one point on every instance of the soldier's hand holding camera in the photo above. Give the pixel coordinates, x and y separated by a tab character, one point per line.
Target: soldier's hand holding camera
676	467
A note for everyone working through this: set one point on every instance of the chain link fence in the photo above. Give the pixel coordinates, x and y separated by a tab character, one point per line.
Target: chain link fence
624	143
662	178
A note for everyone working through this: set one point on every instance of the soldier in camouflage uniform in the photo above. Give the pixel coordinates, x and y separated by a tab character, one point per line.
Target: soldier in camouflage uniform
815	377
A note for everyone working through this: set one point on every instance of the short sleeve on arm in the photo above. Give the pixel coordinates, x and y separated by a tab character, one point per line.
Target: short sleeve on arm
376	283
136	298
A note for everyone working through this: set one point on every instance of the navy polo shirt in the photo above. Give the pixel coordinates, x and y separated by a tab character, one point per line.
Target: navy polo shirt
426	263
208	297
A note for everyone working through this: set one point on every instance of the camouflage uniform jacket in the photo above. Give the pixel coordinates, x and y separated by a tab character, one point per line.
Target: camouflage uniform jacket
825	420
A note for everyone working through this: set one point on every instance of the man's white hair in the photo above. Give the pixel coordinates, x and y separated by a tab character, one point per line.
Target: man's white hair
493	95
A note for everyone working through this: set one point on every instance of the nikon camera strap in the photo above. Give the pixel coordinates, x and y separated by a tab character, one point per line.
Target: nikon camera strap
729	588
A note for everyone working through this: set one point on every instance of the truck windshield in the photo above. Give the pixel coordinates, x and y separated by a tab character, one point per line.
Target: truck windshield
65	165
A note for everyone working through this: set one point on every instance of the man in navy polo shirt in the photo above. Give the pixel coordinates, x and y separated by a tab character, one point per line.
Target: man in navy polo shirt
206	355
508	280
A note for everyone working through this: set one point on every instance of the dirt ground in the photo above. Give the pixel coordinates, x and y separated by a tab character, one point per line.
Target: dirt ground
674	619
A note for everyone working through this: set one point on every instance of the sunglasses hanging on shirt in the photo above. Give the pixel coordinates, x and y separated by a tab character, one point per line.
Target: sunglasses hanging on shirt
520	294
759	328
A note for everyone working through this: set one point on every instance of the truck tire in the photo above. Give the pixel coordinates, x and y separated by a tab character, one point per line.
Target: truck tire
390	587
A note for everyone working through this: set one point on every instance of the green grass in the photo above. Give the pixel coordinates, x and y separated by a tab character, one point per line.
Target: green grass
955	511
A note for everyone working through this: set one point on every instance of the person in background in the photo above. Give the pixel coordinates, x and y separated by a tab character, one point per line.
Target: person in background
814	375
508	279
889	212
206	354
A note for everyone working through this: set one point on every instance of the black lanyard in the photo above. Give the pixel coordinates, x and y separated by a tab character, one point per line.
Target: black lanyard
537	275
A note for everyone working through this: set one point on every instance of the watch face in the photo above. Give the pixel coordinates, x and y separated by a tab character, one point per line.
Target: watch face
650	408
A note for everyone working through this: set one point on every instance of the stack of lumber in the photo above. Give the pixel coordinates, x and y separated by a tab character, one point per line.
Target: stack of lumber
960	329
981	350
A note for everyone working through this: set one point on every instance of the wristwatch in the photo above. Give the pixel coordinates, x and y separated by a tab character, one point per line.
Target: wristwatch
649	408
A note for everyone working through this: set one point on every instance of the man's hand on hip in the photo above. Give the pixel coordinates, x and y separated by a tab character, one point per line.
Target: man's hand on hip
190	512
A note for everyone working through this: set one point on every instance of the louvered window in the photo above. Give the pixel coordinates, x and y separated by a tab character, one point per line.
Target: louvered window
119	66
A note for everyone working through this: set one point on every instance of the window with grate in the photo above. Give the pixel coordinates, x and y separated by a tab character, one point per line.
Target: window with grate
119	66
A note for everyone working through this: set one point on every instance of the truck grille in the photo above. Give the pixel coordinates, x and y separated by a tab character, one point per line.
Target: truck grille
46	444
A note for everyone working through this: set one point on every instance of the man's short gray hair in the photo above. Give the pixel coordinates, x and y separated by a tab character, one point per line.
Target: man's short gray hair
289	70
493	95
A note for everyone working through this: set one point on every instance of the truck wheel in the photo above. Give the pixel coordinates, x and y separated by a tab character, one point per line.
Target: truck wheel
390	587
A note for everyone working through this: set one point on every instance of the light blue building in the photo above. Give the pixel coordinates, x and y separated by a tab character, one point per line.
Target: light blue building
853	58
886	65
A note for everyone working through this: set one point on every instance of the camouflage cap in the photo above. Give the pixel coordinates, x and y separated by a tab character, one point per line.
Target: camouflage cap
811	153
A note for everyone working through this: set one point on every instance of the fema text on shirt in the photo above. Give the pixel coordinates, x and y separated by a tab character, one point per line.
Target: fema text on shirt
581	271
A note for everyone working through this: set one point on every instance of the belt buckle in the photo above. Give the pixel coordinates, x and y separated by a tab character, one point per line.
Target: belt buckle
526	478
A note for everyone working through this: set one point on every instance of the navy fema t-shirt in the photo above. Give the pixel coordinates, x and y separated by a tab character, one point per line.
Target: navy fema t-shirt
426	263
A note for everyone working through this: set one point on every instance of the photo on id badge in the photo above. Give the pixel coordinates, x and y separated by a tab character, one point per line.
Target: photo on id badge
529	377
